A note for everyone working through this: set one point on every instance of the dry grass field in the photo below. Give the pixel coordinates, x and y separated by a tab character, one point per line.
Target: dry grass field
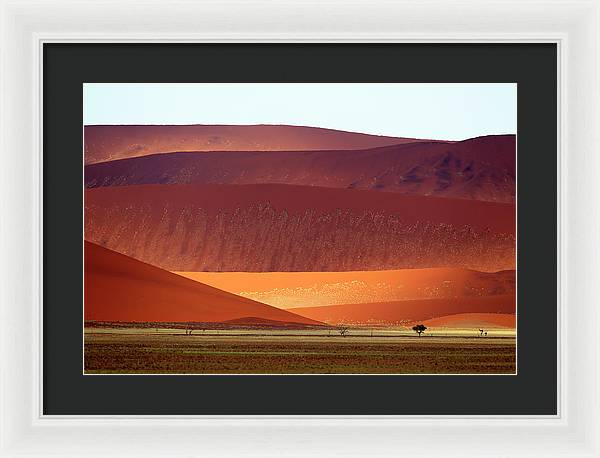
171	351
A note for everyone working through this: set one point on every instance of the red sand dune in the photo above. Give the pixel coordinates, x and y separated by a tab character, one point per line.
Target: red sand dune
306	289
481	168
408	311
277	228
498	217
254	322
474	320
119	288
109	142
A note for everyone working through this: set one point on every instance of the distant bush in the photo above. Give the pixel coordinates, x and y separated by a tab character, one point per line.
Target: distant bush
419	329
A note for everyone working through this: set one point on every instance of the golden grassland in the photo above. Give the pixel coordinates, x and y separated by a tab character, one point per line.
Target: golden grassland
324	351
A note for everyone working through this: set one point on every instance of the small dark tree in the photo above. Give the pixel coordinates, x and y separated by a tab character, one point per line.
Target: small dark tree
343	330
419	329
481	333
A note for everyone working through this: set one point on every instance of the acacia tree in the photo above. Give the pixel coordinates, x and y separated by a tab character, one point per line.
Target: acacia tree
343	330
419	329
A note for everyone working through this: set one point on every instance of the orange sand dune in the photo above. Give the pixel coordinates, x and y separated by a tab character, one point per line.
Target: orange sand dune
309	289
408	311
120	288
105	143
474	320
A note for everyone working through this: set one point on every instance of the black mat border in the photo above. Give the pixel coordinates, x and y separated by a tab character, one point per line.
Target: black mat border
532	392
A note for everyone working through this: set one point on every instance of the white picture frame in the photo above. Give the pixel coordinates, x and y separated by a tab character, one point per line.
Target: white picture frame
573	25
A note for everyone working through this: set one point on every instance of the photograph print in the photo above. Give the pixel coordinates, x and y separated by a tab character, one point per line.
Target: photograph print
300	228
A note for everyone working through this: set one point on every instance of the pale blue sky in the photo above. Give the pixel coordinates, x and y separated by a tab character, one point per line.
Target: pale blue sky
437	111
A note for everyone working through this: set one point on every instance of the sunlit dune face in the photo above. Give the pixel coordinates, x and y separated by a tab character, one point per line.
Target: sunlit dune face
308	289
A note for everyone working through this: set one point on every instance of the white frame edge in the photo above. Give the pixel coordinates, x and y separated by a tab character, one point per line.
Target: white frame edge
26	25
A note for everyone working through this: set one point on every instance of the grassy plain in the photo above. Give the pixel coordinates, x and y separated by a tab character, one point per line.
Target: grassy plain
362	351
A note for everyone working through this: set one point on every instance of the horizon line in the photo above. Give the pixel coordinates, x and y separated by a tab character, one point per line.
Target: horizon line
300	126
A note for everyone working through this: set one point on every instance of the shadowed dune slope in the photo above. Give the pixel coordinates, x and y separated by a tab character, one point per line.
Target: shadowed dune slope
481	168
119	288
408	311
305	289
474	320
110	142
282	228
